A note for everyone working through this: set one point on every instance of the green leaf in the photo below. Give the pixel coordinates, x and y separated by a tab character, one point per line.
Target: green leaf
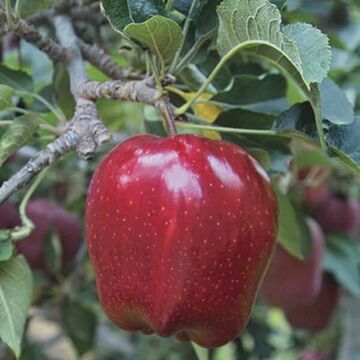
161	35
121	13
290	230
6	94
255	26
300	118
254	29
245	119
342	260
16	79
314	50
343	141
30	7
15	300
205	19
347	161
279	3
61	84
311	157
194	7
335	105
201	353
80	324
203	25
53	252
182	5
47	93
153	122
262	156
258	89
18	134
6	248
226	352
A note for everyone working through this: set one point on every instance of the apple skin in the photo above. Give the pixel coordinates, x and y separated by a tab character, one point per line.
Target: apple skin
317	316
46	217
180	231
337	214
9	217
290	282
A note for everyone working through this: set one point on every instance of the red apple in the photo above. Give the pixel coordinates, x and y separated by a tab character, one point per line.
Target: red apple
313	355
180	231
316	316
314	195
9	217
337	214
48	217
291	282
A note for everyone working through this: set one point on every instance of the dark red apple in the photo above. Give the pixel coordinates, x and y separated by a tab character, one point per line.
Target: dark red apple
11	41
316	316
313	355
314	195
180	232
9	217
48	217
337	214
291	282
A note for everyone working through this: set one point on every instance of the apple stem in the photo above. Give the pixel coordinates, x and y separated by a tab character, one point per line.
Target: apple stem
169	117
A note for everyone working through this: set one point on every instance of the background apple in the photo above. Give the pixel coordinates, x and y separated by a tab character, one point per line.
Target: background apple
180	231
291	282
49	217
337	214
316	316
9	217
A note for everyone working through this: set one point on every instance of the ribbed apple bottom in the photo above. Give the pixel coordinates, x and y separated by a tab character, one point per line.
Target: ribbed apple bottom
212	336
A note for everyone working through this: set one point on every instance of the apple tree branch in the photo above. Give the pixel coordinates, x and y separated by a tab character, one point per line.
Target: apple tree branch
85	131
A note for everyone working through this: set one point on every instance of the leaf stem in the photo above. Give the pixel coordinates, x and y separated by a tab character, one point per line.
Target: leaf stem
169	5
228	56
52	129
17	8
27	226
192	52
9	14
156	74
212	76
185	33
312	93
54	109
222	129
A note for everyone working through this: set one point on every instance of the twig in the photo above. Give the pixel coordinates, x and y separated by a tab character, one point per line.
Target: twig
85	132
97	57
32	35
137	91
83	13
92	53
78	13
44	158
